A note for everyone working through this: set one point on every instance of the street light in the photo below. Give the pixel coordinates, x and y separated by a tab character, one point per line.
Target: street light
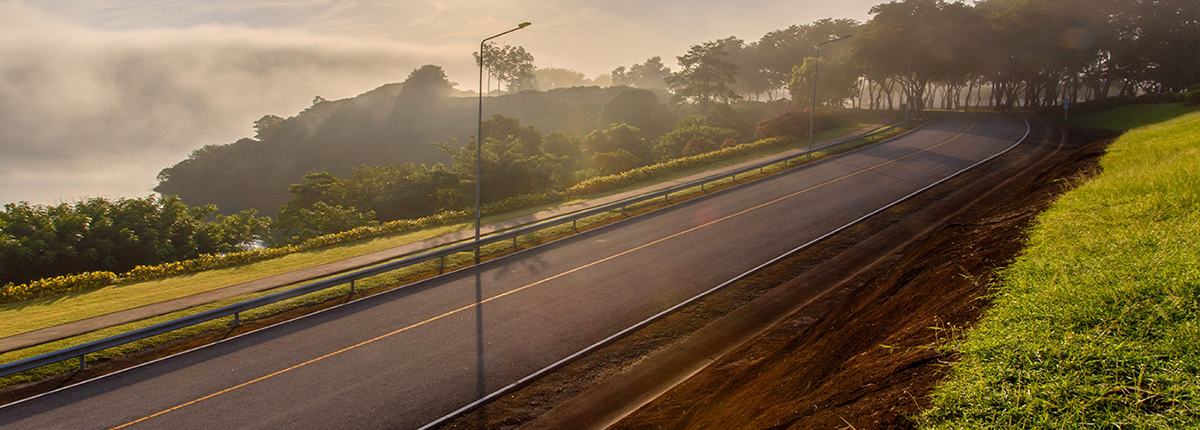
817	69
479	137
908	81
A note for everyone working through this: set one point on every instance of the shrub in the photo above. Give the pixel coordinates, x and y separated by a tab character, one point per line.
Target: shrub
794	125
604	183
671	145
699	146
1192	98
728	143
615	162
56	285
1155	98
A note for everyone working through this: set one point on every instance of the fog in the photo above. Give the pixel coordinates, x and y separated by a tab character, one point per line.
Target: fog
97	97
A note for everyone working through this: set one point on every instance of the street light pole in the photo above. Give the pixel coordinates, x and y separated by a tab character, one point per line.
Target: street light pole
812	115
479	138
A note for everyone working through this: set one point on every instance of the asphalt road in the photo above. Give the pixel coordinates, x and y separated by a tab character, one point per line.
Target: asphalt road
405	358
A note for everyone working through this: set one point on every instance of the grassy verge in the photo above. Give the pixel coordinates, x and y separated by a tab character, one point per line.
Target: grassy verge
1128	117
33	314
1097	324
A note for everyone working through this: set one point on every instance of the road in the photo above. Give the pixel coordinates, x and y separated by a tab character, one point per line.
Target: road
405	358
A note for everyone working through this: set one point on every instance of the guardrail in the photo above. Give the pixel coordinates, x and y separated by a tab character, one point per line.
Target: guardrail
80	351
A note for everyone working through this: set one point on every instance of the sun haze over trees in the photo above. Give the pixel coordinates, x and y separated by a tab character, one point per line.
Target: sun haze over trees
991	54
650	75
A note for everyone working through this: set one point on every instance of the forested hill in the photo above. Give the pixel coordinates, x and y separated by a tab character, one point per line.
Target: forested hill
394	123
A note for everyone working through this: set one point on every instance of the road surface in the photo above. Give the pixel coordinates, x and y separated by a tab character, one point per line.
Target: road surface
405	358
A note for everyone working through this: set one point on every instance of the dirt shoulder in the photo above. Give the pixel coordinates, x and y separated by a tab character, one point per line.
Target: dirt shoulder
861	354
867	355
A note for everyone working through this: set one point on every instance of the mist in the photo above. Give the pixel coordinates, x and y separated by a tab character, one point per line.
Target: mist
97	97
99	113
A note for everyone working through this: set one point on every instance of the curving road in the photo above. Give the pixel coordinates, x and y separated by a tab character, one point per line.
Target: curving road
408	357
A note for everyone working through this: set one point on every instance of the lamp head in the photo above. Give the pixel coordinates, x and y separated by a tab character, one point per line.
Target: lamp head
524	24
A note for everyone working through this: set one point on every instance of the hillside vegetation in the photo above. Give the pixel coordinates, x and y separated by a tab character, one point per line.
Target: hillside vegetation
1097	324
380	127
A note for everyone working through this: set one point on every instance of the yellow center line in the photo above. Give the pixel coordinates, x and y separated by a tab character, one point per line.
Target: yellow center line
473	305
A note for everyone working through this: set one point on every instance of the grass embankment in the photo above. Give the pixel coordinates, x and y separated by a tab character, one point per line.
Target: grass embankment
1128	117
1097	323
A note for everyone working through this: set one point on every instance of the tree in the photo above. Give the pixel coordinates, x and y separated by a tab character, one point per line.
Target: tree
611	163
698	146
650	75
548	79
938	39
558	143
510	65
838	82
266	127
636	107
505	128
618	137
704	76
427	82
779	52
510	166
671	145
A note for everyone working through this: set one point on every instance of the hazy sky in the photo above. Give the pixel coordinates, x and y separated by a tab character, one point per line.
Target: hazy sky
97	96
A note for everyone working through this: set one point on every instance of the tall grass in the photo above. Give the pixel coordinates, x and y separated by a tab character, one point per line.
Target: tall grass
1097	324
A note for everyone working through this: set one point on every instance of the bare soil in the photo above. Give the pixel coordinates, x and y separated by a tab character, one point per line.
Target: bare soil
868	355
863	356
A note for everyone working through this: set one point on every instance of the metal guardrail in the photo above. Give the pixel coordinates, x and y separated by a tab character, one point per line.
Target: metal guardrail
80	351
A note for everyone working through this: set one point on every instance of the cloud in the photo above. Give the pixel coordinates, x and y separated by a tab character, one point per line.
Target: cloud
80	107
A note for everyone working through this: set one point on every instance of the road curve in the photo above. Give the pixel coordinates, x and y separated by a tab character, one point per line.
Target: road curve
405	358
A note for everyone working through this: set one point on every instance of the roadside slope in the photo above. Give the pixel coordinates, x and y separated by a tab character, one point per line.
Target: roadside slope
866	354
1097	324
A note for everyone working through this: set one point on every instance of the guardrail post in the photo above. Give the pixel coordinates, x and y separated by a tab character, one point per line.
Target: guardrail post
442	266
81	362
623	211
514	243
574	226
237	319
351	287
702	188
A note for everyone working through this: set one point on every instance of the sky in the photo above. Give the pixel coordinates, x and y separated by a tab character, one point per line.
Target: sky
98	96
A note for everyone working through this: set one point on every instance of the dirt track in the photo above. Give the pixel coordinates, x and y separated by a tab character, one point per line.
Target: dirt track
863	355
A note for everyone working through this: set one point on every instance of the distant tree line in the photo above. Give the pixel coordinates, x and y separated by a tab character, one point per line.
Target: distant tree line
998	53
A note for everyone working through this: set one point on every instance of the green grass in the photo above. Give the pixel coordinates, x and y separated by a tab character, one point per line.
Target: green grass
1128	117
34	314
1097	323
